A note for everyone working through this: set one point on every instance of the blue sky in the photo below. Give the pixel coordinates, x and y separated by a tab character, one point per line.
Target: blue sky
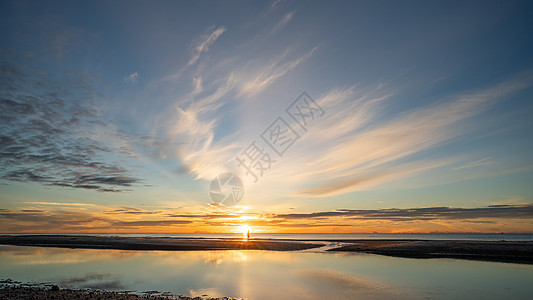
137	106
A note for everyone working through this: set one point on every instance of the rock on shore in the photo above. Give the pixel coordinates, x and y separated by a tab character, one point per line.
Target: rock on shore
44	293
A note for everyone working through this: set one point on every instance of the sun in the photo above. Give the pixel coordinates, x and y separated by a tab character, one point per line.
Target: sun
244	229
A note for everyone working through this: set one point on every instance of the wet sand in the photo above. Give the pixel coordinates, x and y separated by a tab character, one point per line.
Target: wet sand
499	251
502	251
151	243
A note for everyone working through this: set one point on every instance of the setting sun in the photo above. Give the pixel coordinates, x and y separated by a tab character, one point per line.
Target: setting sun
244	229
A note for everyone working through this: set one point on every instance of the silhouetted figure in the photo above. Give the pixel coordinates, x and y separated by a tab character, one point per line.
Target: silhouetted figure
248	235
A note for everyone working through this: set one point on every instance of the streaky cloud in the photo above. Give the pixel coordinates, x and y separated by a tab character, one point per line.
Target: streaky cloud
481	162
199	47
355	154
524	211
266	76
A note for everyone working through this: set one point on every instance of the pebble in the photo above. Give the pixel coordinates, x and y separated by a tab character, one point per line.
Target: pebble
40	293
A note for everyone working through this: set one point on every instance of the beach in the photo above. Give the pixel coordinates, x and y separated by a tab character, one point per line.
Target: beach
499	251
152	243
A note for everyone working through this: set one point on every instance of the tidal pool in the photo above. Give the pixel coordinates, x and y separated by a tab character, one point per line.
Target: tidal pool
268	274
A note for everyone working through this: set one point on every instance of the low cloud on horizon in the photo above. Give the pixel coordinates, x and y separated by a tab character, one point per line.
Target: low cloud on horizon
45	218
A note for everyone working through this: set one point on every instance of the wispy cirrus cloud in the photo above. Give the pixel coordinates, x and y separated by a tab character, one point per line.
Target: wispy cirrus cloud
350	149
276	4
194	125
199	47
264	76
367	178
197	114
282	23
360	154
481	162
202	45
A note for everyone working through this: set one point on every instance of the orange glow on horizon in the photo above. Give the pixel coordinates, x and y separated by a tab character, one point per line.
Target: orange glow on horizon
244	229
38	217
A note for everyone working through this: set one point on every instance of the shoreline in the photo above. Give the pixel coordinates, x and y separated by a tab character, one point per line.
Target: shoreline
149	243
23	291
497	251
494	251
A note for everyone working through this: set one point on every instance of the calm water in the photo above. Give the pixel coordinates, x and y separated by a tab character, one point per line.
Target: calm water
268	274
334	236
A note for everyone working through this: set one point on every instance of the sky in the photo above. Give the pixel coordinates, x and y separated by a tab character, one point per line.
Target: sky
336	116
